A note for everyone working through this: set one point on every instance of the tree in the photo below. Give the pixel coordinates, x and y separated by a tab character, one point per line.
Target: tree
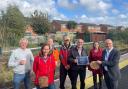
13	24
40	22
71	25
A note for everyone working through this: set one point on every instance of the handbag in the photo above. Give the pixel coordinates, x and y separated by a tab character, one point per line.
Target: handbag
43	80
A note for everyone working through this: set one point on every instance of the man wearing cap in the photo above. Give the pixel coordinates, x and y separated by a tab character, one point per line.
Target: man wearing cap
64	66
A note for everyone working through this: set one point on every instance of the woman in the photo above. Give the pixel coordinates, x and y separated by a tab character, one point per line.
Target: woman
96	54
44	66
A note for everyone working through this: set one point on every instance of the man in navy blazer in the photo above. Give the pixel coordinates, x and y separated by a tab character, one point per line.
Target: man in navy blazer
110	64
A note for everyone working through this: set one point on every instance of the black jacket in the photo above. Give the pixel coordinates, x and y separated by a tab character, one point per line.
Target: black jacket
73	54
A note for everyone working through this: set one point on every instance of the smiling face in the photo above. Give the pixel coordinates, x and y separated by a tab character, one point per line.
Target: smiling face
108	43
80	43
66	40
45	50
96	45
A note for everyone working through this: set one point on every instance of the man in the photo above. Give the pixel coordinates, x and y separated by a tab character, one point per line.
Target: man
53	50
21	60
64	66
77	69
110	65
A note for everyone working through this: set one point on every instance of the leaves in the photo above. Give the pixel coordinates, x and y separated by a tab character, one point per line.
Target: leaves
40	22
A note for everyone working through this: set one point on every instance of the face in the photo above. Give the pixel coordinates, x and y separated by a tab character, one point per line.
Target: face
23	44
66	41
50	42
80	43
46	50
108	44
96	45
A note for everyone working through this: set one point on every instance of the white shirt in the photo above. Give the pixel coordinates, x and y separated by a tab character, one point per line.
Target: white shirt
107	56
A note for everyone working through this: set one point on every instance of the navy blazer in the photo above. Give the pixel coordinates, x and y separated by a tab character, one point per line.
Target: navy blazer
112	64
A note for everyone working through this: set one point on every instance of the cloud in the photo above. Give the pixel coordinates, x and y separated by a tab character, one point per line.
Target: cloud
122	16
27	7
67	4
96	5
112	20
115	11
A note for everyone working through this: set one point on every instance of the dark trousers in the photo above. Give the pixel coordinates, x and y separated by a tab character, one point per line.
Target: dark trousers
95	82
63	73
110	83
82	75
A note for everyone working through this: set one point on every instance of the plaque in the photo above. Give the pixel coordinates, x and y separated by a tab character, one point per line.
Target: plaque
82	60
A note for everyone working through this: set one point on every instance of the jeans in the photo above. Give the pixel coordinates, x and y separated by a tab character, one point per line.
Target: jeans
52	86
18	78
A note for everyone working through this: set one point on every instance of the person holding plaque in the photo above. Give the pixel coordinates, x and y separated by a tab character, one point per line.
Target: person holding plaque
78	61
94	55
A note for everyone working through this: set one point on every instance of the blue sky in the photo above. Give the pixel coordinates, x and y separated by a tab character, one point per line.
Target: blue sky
113	12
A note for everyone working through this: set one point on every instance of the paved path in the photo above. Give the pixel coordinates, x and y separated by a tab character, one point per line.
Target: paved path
89	83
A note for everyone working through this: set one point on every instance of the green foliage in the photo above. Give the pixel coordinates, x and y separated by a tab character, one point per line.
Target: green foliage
40	22
12	25
71	25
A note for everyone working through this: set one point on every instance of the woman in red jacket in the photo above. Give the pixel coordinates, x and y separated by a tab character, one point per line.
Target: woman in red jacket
96	54
44	66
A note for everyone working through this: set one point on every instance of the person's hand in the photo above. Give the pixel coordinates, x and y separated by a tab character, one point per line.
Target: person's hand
99	62
22	62
67	67
32	74
75	60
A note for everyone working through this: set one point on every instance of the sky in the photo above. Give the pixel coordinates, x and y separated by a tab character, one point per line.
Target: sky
113	12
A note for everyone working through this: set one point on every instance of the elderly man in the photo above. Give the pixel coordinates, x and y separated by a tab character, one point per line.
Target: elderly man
64	66
76	69
21	61
110	65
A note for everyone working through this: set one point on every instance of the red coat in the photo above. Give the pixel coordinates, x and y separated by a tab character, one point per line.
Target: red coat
94	56
42	68
64	53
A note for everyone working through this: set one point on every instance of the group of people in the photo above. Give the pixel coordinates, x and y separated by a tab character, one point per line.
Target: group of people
43	65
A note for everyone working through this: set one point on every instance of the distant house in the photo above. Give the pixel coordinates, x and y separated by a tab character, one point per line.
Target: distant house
93	31
106	28
61	26
29	31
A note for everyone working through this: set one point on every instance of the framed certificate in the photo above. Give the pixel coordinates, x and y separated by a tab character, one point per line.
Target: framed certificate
82	60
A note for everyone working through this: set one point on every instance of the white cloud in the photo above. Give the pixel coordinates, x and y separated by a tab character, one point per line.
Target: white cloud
115	11
67	4
122	16
96	5
27	7
116	21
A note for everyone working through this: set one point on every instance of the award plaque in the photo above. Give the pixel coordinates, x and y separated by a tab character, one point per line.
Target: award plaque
82	60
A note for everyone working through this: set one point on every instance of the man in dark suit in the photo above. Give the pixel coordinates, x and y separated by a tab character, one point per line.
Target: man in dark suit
110	64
